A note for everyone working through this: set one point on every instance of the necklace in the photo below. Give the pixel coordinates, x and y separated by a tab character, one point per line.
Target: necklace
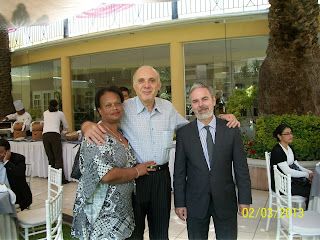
117	135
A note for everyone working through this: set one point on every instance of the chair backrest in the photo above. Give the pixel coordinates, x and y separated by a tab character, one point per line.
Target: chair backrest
268	155
283	194
29	171
54	181
283	186
54	216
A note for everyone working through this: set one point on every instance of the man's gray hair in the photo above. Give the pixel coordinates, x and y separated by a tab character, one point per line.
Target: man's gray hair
134	75
201	85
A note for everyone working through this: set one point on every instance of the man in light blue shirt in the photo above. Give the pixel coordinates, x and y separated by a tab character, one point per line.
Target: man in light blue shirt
150	134
149	123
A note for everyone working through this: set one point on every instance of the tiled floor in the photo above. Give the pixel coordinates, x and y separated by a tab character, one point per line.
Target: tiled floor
248	228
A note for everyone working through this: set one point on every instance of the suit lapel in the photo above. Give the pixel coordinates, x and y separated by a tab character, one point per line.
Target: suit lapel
195	140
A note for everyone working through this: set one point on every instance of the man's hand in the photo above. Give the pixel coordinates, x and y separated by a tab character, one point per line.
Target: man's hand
182	213
7	156
93	133
4	119
232	120
243	208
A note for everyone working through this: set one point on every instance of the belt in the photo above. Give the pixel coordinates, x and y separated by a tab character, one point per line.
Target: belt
160	167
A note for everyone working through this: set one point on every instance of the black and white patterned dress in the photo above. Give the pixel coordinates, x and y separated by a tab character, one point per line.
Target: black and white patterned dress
103	211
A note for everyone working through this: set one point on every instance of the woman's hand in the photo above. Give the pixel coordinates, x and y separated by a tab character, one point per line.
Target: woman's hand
93	133
143	168
311	176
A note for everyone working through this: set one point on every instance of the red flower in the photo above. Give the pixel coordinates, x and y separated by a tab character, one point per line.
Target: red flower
252	151
250	144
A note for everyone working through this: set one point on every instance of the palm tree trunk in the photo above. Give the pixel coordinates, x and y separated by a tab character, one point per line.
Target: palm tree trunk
289	80
6	101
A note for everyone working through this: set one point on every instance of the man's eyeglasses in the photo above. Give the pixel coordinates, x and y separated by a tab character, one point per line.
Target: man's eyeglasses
286	134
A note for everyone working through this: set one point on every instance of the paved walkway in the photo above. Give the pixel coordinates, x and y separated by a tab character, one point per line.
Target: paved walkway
248	228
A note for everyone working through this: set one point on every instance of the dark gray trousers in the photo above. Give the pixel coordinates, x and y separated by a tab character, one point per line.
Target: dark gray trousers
53	147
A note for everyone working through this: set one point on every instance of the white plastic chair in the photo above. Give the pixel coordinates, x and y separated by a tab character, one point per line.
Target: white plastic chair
292	222
54	217
272	195
43	220
36	218
29	171
54	181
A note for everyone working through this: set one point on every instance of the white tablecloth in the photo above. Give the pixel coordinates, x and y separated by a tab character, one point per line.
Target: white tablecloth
8	214
34	152
314	203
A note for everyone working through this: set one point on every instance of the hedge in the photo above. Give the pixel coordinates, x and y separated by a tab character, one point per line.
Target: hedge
306	141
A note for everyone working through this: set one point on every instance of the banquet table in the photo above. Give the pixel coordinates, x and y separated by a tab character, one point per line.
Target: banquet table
314	202
34	152
8	217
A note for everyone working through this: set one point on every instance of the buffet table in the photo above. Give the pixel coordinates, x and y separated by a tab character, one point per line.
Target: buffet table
34	152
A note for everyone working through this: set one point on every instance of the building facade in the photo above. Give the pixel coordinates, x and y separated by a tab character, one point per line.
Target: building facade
223	51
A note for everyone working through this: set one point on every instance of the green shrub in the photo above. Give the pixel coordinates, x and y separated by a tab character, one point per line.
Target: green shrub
242	99
306	142
35	113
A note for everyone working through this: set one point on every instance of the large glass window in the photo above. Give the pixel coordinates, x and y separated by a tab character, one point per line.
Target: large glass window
225	64
36	84
91	72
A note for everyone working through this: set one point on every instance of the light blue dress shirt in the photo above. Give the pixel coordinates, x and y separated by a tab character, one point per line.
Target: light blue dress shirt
203	136
3	174
150	134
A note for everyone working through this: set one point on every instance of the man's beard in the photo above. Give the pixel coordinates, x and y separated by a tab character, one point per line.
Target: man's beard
203	116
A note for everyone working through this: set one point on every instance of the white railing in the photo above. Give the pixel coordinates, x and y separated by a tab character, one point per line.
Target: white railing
117	16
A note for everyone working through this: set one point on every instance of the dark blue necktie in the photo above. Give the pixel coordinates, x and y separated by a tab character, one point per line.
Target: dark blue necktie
209	144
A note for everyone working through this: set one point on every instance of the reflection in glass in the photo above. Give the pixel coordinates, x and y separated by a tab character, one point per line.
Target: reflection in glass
225	64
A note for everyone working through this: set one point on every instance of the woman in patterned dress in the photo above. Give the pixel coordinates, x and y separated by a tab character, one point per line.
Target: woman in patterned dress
103	207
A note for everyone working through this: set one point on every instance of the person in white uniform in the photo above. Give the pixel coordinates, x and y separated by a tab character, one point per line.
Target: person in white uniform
21	116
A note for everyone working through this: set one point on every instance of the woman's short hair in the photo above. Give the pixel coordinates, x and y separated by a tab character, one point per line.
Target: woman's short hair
104	90
279	130
53	105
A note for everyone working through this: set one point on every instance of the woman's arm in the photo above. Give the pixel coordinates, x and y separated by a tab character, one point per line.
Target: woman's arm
123	175
294	173
64	122
302	168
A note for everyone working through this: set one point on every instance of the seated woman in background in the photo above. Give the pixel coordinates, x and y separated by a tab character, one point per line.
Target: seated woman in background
103	204
282	155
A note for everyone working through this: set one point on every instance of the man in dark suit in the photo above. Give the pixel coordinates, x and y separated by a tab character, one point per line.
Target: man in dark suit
207	153
15	166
